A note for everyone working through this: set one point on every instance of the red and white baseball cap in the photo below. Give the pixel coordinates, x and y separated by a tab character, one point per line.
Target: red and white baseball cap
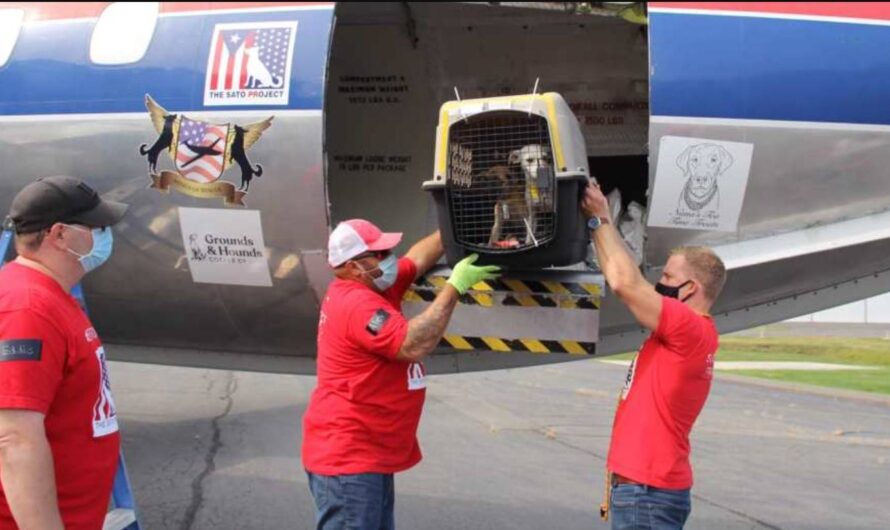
357	236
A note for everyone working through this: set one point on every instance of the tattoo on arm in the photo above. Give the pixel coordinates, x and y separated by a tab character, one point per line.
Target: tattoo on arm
426	329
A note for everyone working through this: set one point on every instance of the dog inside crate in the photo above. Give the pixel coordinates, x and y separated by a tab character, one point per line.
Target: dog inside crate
501	181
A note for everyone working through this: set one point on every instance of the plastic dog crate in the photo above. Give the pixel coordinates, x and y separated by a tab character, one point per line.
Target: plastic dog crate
509	173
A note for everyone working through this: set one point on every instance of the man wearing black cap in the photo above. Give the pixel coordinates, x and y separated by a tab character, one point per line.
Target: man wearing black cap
59	438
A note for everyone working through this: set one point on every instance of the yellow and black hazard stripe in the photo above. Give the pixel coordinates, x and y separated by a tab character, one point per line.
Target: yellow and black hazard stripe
463	343
517	293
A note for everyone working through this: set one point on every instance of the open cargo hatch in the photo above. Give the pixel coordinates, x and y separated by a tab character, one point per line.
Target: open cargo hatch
393	65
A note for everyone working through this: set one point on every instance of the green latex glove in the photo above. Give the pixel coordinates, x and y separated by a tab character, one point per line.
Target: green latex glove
466	275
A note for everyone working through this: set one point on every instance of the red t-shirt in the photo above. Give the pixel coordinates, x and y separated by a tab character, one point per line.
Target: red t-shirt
666	387
363	415
52	362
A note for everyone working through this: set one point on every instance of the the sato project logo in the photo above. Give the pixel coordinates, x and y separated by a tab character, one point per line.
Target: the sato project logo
250	64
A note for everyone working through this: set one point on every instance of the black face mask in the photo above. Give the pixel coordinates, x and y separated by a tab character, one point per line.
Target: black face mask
672	292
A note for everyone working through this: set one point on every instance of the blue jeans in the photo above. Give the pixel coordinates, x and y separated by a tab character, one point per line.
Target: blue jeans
639	507
353	502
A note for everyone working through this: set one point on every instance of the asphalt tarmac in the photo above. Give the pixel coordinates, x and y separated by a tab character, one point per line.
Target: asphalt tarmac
509	449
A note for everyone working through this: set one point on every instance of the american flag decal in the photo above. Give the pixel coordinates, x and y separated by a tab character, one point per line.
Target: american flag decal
250	63
201	150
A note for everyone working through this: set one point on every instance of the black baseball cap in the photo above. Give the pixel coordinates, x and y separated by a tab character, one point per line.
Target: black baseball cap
61	199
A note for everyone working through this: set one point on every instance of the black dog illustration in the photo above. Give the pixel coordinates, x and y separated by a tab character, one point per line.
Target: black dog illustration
197	253
163	142
702	165
239	156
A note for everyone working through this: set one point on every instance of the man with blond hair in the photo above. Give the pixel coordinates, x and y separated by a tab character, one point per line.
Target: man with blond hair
648	468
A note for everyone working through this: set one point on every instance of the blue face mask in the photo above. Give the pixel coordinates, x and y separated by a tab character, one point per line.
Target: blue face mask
390	269
103	242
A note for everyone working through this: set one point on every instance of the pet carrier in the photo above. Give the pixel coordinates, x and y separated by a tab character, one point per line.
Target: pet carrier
509	173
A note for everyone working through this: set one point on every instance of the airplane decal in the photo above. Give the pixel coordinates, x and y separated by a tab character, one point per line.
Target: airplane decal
249	64
198	155
201	152
700	184
702	166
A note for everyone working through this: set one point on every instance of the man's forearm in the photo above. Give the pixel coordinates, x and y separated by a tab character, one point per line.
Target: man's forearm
426	252
615	260
29	484
426	329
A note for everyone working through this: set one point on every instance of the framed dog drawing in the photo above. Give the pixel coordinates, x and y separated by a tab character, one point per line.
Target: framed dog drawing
699	183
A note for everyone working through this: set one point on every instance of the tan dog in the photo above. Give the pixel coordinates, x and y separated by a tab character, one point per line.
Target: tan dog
510	210
531	158
702	164
522	197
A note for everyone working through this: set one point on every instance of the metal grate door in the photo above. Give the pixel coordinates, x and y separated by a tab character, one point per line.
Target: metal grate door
500	182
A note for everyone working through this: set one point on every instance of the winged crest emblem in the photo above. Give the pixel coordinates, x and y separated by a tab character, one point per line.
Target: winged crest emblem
201	153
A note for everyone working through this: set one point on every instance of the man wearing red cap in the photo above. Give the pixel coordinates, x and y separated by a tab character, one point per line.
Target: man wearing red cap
361	423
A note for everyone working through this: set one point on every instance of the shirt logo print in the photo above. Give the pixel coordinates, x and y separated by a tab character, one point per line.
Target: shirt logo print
629	379
104	412
416	376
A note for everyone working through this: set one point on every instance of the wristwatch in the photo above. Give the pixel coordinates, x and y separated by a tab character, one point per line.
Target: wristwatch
595	222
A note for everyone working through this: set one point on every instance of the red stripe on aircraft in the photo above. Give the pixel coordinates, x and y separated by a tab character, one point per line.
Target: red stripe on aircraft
58	10
861	10
35	11
180	7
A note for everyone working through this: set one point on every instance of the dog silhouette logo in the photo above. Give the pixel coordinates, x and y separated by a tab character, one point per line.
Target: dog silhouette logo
198	253
250	63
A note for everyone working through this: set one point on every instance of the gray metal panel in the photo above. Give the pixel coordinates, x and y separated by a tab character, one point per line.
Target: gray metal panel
801	175
431	48
439	363
542	323
145	294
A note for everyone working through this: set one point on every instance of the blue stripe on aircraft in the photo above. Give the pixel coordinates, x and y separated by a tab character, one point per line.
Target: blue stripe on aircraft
770	69
50	70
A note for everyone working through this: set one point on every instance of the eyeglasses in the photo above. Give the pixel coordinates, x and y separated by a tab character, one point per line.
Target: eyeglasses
379	254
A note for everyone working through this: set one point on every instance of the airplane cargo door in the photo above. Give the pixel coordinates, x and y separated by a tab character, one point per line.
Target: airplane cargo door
393	65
